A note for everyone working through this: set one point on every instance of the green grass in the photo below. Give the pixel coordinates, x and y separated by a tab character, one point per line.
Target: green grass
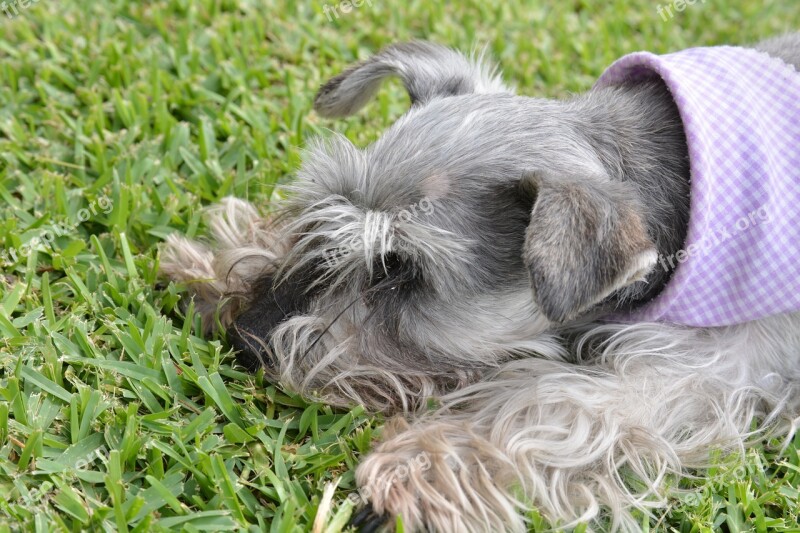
119	121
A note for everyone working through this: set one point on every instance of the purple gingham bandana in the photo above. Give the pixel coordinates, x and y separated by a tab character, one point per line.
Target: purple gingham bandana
741	114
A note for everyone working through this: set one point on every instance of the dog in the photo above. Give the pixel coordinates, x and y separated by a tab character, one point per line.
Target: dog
508	257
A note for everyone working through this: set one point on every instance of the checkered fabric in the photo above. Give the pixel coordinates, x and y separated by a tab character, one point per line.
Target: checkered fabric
741	114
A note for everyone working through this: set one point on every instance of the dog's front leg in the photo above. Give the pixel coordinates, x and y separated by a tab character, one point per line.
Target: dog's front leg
442	475
568	439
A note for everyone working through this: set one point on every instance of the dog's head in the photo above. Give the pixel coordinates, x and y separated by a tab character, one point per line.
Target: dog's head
478	220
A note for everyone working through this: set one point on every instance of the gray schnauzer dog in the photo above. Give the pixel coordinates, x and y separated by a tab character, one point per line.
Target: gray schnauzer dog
473	255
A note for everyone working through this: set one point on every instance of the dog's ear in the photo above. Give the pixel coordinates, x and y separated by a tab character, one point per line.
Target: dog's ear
427	70
586	239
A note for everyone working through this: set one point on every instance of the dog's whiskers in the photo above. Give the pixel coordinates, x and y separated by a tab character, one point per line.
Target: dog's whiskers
378	286
330	325
247	337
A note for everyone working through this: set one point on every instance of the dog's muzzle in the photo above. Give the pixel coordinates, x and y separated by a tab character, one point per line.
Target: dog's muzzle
252	351
270	305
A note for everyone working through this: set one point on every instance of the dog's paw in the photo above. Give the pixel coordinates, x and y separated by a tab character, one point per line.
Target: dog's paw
440	477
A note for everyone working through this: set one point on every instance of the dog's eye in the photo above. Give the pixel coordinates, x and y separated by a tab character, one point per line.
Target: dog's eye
392	271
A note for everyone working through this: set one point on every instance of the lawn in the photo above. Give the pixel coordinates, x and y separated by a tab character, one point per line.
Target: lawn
119	122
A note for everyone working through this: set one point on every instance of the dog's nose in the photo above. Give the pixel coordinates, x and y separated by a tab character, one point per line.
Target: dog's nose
252	351
269	306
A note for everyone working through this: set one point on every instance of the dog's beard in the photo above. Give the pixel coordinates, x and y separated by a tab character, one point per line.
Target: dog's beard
356	370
